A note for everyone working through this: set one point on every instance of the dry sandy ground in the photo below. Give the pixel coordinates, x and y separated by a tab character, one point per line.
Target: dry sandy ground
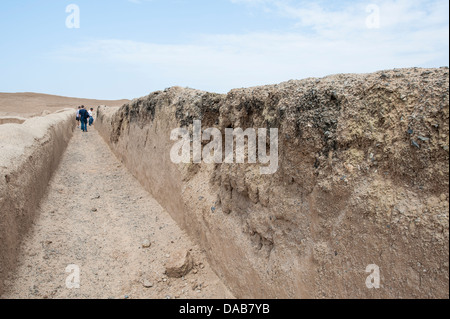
32	104
97	216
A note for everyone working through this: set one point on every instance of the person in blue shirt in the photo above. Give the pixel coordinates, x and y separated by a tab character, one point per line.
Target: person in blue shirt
84	115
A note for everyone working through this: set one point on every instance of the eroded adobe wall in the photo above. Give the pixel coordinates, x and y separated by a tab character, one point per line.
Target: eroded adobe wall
29	154
363	179
12	120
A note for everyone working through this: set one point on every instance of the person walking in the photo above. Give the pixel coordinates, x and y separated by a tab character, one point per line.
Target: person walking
84	115
78	117
91	116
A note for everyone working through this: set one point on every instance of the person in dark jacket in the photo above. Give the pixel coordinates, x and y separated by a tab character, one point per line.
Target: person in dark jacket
84	115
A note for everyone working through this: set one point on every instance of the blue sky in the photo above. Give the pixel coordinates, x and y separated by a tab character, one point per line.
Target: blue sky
129	48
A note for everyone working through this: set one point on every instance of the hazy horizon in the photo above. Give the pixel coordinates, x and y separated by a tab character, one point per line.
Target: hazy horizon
161	89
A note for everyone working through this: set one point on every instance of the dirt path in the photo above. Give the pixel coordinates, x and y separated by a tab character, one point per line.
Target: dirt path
97	216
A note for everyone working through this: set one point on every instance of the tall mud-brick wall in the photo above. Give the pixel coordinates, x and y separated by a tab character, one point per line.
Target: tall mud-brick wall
29	154
362	180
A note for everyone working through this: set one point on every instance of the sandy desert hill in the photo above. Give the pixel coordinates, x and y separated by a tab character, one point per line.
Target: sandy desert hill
32	104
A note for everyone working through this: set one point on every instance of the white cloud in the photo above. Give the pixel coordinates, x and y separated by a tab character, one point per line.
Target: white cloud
220	63
139	1
346	16
325	41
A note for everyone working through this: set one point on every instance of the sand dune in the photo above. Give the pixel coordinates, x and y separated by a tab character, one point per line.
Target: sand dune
32	104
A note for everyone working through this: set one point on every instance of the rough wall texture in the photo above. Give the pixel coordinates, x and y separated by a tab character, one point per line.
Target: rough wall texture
12	120
363	179
29	153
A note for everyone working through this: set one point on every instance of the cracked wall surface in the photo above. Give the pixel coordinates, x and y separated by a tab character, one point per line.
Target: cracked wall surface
363	179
